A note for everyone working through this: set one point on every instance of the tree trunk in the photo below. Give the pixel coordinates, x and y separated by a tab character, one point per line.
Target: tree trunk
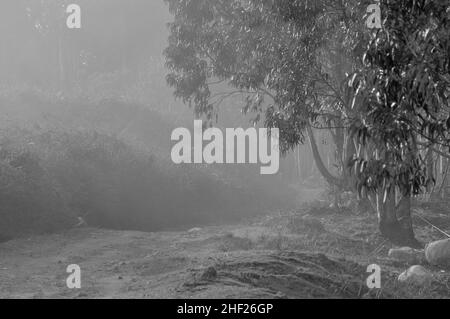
297	163
441	193
61	69
332	180
395	221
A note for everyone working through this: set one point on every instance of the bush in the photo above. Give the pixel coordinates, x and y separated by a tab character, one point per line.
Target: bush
29	200
55	167
50	177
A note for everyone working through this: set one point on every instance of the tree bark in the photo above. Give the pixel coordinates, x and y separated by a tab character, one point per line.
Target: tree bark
319	162
61	68
395	221
444	179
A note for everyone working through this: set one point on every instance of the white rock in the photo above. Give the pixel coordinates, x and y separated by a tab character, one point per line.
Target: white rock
407	255
81	223
416	275
438	253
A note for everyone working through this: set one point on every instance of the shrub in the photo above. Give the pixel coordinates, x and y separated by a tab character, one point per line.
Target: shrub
49	177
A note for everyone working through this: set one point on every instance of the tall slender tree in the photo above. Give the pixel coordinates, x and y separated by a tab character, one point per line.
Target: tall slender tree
382	93
402	103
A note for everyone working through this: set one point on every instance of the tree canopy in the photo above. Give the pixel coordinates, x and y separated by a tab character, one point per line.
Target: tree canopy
288	58
403	95
382	93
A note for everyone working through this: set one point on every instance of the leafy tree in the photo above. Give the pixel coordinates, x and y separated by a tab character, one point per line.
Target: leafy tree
402	104
291	60
288	59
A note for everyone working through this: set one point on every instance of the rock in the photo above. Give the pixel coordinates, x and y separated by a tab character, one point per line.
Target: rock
438	253
209	274
417	275
194	230
407	255
81	223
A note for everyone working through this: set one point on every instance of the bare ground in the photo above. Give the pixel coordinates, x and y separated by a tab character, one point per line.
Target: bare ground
314	252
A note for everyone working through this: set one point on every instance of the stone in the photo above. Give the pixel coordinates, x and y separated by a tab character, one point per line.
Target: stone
438	253
417	275
209	274
407	255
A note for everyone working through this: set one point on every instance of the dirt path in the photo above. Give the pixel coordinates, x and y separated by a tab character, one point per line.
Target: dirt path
212	262
294	256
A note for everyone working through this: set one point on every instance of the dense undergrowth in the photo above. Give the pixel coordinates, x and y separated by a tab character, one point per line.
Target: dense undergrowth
49	176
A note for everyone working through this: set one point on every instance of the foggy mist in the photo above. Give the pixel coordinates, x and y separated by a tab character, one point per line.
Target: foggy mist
224	149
